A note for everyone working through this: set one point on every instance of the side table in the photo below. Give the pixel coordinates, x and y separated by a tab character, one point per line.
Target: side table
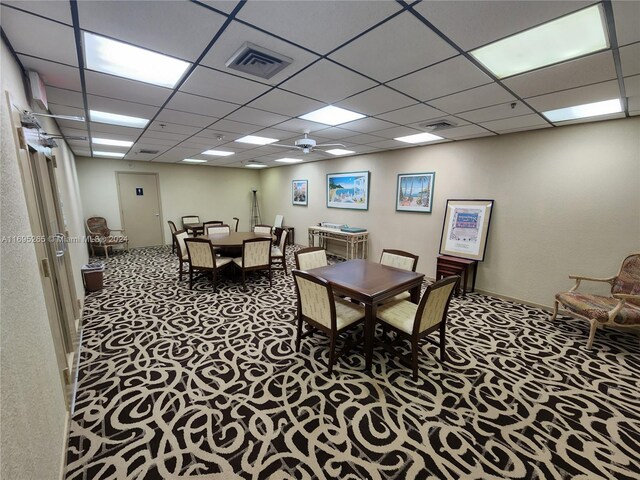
448	266
290	235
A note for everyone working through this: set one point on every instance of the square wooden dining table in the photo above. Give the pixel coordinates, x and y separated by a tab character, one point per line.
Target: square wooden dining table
371	284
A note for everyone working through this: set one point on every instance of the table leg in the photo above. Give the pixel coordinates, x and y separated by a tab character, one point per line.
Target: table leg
369	330
415	294
473	281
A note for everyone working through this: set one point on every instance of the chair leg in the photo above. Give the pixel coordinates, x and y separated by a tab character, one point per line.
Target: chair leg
555	310
244	285
332	349
214	279
106	252
284	265
270	276
414	357
443	332
592	333
299	337
190	278
180	270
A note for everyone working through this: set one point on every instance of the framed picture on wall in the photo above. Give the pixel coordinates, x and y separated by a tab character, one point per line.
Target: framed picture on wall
348	190
415	192
300	192
465	228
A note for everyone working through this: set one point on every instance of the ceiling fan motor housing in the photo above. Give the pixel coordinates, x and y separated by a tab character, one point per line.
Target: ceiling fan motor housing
306	143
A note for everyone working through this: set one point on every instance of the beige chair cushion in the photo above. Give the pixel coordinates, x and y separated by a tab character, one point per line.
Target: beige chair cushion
397	261
222	261
398	297
400	314
275	252
311	260
181	244
347	313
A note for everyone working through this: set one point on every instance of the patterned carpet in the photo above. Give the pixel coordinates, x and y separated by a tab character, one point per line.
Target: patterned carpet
179	383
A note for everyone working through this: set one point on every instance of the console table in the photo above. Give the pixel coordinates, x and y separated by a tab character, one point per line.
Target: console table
448	266
356	243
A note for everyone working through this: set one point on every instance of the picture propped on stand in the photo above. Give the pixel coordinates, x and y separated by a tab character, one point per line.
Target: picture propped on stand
465	228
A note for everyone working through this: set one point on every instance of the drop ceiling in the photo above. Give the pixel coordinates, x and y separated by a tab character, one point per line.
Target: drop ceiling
401	64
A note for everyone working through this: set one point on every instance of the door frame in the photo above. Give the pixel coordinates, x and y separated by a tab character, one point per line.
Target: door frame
157	176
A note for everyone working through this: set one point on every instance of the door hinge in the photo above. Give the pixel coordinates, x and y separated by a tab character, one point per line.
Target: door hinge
67	376
21	138
54	163
45	268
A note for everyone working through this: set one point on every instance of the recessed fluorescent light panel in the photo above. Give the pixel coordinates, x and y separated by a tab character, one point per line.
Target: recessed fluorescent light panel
218	153
113	143
115	119
123	60
289	160
584	111
339	151
194	160
255	165
332	115
419	138
557	41
107	154
257	140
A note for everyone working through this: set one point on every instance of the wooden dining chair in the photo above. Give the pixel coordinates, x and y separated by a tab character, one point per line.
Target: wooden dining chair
262	229
318	307
237	220
413	322
209	223
218	228
186	219
399	259
311	257
202	258
181	249
172	229
278	253
256	255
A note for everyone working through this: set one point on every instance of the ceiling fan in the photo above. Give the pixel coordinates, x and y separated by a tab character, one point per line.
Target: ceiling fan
308	145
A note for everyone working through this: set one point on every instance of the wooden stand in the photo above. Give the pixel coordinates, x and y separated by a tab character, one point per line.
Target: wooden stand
448	266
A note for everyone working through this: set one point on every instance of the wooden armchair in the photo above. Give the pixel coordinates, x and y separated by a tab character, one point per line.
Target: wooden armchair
620	310
101	236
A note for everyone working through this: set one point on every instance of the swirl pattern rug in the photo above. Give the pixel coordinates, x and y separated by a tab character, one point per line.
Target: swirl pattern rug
179	383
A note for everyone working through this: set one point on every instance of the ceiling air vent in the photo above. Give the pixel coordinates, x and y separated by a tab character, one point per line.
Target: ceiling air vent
437	125
258	61
149	152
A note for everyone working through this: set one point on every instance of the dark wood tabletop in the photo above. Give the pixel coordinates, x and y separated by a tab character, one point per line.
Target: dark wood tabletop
370	283
234	239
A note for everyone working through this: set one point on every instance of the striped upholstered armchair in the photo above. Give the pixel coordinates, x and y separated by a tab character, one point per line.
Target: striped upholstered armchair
620	310
101	236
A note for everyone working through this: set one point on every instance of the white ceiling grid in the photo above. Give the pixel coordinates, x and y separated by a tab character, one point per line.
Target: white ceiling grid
401	64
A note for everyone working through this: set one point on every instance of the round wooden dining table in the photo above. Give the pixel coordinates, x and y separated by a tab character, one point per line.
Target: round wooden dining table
234	239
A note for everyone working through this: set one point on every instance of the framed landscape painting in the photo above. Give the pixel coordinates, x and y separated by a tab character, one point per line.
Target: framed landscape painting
348	190
465	228
299	192
415	192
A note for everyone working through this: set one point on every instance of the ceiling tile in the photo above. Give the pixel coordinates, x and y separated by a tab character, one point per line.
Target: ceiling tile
121	107
361	139
38	37
147	139
297	125
583	71
62	96
515	124
324	25
375	101
498	18
124	89
327	82
468	131
184	118
163	126
200	105
127	133
221	86
412	114
286	103
256	117
336	133
60	12
632	86
367	124
225	6
496	112
442	79
65	110
139	24
451	119
53	74
576	96
393	49
80	131
225	125
234	38
630	59
486	95
395	132
626	15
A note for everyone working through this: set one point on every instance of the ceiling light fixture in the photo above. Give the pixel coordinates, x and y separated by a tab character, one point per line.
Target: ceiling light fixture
255	140
419	138
123	60
584	111
115	119
194	160
113	143
218	153
289	160
559	40
339	151
107	154
331	115
255	165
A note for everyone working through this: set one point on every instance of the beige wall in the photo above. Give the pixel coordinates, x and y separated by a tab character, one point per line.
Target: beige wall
32	412
567	201
213	193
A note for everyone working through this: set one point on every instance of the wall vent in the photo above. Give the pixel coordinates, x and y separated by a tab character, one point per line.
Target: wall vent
437	125
258	61
149	152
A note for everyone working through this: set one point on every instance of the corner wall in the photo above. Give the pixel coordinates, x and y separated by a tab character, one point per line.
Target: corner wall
567	201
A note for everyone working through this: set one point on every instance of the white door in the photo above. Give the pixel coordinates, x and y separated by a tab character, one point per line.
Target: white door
140	208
